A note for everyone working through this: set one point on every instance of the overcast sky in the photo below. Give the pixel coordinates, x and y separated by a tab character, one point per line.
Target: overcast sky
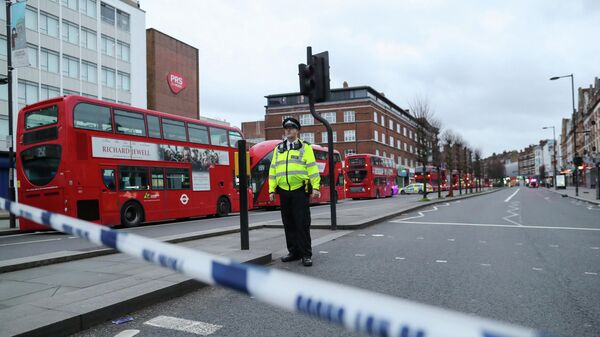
484	65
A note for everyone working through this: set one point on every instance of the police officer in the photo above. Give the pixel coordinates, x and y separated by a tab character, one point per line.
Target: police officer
294	175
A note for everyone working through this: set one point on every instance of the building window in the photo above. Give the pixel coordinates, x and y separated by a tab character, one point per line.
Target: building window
3	52
308	136
123	81
376	135
404	132
383	138
88	38
49	24
70	32
108	13
411	149
108	77
349	116
48	91
349	135
32	55
410	134
49	61
284	117
89	72
405	147
72	4
70	66
28	93
329	116
31	18
398	128
377	152
88	7
399	144
375	116
123	51
391	124
384	154
324	137
123	20
306	119
107	45
391	141
348	152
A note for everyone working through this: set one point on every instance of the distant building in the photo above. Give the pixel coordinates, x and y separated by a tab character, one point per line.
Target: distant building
254	132
215	120
173	76
527	162
363	121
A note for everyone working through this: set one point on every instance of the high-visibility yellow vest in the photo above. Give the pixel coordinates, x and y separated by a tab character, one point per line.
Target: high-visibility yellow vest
291	169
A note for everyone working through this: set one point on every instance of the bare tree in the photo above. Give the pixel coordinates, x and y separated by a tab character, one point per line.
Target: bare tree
423	114
458	149
477	169
436	153
449	138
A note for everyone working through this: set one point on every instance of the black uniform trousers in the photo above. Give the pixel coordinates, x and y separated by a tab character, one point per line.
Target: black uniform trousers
295	214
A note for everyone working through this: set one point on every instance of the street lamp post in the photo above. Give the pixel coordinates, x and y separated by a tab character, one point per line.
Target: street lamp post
553	152
575	161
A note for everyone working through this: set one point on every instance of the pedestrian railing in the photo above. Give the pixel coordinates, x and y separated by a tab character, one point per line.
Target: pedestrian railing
352	308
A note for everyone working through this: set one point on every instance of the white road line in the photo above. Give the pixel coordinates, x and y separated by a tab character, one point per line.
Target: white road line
27	242
537	269
554	246
519	243
513	207
185	325
441	261
512	195
399	258
485	264
482	241
377	235
494	225
452	240
590	273
595	248
359	255
323	252
435	208
128	333
420	238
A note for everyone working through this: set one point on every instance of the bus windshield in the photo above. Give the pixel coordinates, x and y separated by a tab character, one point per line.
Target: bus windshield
356	162
357	176
40	163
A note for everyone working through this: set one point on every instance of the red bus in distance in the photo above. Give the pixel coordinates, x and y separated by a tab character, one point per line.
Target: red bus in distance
260	161
115	164
369	176
431	177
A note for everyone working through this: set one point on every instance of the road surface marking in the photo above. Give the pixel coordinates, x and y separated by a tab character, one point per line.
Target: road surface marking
441	261
377	235
537	269
590	273
554	246
359	255
420	238
485	264
451	240
399	258
185	325
26	242
595	248
323	252
128	333
547	198
513	207
495	225
519	243
435	208
482	241
362	234
512	195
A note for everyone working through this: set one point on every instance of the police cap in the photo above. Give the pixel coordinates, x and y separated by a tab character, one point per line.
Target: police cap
291	122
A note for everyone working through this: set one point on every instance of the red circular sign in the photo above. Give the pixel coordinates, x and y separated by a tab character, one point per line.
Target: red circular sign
176	82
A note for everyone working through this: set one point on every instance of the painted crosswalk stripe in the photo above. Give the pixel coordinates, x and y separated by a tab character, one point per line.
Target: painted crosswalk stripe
441	261
128	333
185	325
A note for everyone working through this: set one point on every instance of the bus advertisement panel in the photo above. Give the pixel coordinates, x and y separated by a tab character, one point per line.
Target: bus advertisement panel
115	164
260	161
369	176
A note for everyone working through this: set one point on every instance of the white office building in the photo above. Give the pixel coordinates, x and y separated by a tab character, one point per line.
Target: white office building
94	48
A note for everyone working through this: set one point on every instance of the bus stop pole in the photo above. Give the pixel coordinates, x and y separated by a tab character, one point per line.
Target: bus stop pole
243	176
11	153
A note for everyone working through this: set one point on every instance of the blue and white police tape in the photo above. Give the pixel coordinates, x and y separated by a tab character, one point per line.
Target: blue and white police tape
355	309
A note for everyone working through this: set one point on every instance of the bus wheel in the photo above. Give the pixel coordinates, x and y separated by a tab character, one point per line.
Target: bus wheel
132	214
223	206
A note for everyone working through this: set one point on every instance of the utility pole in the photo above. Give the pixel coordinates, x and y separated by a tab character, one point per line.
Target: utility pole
9	138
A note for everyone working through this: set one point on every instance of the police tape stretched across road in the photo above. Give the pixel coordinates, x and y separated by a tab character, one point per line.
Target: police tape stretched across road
355	309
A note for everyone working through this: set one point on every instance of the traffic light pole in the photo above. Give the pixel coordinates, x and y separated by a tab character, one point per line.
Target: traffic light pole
244	235
11	153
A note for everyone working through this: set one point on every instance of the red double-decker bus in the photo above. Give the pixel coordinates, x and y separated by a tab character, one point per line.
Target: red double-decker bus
115	164
431	177
260	161
369	176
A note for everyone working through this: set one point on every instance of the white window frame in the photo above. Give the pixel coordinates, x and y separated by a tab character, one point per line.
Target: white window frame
45	57
70	66
308	136
86	36
382	120
307	119
391	124
324	137
392	141
375	117
349	135
45	28
329	116
376	135
89	72
349	116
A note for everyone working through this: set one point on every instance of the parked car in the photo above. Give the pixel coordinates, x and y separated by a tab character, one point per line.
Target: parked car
415	188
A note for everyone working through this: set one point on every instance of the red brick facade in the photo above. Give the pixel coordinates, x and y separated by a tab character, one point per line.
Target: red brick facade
363	115
165	55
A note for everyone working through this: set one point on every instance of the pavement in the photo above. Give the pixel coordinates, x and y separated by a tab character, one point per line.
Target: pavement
72	291
520	255
585	194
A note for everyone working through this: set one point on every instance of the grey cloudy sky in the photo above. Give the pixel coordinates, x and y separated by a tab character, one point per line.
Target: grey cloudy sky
484	65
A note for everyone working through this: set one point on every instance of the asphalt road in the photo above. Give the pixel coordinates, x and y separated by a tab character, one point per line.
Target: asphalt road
24	245
525	256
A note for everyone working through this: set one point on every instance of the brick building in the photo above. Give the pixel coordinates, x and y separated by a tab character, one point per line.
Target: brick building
527	161
363	121
254	132
172	75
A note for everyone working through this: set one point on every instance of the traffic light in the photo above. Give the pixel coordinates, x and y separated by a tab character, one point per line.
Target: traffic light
314	77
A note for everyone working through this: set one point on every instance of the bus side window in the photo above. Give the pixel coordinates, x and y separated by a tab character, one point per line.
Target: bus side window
108	177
